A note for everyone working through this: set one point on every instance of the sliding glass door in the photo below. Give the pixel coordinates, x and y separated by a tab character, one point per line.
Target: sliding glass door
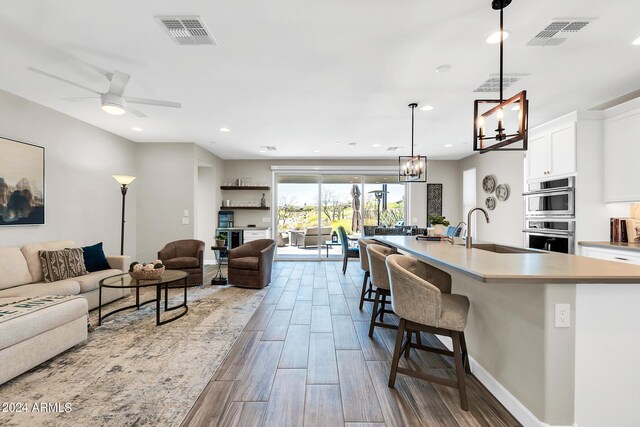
312	207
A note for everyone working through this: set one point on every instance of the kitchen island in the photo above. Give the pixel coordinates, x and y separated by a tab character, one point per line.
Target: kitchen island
547	375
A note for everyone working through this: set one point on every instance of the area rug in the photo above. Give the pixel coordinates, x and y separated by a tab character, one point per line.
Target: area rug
131	372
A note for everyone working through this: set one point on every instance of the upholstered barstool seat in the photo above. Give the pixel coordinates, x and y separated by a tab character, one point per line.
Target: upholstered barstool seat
379	277
367	289
421	296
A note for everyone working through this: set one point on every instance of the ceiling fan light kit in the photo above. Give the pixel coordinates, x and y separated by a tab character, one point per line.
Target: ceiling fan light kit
412	168
508	118
113	101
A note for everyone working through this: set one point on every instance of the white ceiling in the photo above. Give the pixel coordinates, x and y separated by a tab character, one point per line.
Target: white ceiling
304	75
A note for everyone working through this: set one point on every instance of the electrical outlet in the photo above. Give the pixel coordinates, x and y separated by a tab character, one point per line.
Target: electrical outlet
563	315
185	220
185	213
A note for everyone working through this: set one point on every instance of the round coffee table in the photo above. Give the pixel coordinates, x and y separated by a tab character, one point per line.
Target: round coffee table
126	281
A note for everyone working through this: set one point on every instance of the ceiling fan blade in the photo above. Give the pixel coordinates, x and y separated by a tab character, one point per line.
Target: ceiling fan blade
135	111
154	102
81	98
119	81
44	73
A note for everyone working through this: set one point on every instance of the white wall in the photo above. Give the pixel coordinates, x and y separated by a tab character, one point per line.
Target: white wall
208	199
507	218
167	187
83	201
447	173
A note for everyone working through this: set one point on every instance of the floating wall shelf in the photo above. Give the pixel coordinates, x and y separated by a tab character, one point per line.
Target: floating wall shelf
255	208
244	187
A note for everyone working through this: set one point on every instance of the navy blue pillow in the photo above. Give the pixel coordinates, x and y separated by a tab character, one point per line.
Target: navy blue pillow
94	259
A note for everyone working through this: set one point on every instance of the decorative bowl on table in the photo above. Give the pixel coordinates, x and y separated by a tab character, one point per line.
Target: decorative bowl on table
149	271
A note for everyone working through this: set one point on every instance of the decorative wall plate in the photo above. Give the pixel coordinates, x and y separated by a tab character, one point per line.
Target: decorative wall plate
502	192
489	183
490	203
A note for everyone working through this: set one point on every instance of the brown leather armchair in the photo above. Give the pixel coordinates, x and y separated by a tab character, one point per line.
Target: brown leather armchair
250	264
185	255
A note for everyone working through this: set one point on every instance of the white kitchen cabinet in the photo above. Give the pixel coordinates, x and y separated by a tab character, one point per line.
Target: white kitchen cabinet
622	157
552	153
251	235
629	257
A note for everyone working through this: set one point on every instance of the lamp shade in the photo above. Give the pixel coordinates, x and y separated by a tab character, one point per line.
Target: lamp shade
124	179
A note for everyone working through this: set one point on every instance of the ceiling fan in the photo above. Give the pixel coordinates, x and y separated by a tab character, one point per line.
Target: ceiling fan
113	101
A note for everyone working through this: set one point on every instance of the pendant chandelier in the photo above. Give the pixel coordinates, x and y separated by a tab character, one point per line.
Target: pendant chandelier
510	117
412	168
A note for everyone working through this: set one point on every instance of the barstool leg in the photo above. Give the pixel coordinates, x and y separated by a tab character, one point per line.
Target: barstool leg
459	370
396	354
407	350
374	314
465	354
384	304
364	289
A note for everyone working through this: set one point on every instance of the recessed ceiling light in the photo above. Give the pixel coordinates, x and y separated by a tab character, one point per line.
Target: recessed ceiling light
427	108
375	145
136	129
262	151
443	69
448	145
316	151
636	42
385	178
495	37
225	130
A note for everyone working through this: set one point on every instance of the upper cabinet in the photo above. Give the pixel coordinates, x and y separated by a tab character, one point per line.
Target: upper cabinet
552	152
622	157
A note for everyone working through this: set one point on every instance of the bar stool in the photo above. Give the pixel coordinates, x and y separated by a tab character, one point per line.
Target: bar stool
420	295
364	265
380	279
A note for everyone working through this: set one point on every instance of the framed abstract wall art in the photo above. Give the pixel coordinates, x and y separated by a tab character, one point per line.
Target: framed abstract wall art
21	183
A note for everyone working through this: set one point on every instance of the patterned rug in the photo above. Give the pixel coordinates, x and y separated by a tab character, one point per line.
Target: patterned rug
132	372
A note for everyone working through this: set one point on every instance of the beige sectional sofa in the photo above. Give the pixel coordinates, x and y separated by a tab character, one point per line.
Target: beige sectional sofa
34	330
21	275
39	320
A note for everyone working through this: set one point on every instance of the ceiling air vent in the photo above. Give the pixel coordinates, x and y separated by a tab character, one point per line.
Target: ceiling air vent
393	148
187	30
558	31
492	84
268	147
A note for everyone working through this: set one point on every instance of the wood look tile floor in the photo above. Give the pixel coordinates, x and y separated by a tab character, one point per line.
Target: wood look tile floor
305	359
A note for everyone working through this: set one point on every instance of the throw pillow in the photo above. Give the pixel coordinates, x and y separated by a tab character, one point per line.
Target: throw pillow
94	258
62	264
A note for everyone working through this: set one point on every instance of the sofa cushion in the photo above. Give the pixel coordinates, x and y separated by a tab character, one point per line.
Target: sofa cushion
91	281
63	287
245	263
21	328
94	258
62	264
32	255
13	268
182	262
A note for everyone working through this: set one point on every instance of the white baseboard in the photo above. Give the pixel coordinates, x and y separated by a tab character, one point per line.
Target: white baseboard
508	400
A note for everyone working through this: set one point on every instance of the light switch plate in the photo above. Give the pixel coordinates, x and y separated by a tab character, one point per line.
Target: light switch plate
563	316
185	213
185	220
266	219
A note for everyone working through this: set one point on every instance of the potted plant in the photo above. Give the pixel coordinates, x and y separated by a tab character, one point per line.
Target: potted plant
439	223
220	240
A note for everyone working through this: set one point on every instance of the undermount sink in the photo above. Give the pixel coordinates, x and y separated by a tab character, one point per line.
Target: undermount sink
501	249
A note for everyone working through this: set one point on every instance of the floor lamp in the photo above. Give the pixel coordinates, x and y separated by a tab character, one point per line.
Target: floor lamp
124	181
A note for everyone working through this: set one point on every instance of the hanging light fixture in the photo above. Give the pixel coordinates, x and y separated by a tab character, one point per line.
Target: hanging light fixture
511	123
412	168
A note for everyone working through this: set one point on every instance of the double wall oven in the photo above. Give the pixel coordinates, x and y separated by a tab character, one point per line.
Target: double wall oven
550	215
